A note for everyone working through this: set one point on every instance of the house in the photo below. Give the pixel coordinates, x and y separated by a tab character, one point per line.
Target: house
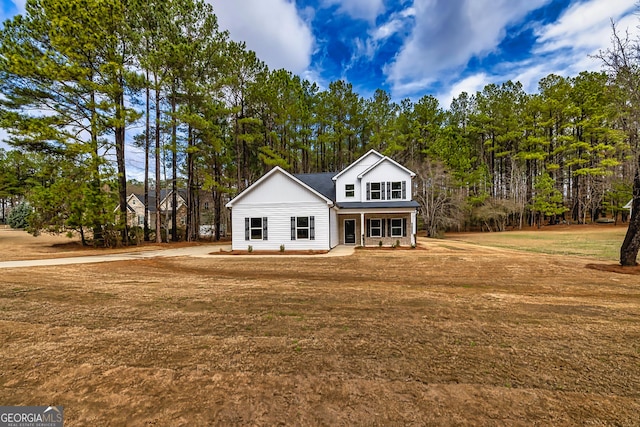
136	208
368	203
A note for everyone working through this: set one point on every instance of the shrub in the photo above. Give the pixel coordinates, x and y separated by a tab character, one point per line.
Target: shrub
19	216
250	249
282	248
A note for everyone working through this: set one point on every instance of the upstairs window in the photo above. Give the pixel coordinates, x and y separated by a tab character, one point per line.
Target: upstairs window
396	190
349	190
375	191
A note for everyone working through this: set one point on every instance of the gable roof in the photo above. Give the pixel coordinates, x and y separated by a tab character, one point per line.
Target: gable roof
382	160
266	176
358	161
321	182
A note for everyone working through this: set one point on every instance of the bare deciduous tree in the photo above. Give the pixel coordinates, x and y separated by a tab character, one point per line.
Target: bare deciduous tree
622	61
440	205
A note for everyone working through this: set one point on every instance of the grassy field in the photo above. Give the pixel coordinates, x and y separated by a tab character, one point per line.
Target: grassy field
451	333
598	241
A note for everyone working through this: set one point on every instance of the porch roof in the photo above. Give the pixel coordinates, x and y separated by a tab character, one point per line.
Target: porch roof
379	205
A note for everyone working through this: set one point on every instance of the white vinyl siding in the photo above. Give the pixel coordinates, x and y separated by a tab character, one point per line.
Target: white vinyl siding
351	177
394	184
279	226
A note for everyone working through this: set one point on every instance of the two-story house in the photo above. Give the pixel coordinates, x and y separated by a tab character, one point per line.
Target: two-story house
367	203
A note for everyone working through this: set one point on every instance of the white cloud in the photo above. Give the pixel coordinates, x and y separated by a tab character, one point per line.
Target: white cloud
397	22
273	29
471	85
586	25
448	33
564	47
367	10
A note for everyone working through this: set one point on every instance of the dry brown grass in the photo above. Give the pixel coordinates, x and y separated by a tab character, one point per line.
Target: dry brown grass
456	334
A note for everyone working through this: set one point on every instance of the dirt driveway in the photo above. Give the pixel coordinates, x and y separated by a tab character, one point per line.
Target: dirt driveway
452	334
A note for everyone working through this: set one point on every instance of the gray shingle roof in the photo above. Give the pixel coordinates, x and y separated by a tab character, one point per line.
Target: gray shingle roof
382	204
321	182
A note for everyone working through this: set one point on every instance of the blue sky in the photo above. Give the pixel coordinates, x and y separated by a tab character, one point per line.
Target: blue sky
413	48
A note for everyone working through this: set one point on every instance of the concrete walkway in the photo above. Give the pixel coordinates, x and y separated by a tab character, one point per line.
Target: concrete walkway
202	251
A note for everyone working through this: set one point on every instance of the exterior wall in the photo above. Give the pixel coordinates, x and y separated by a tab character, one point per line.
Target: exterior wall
385	172
388	241
350	176
167	203
279	225
278	188
133	218
335	228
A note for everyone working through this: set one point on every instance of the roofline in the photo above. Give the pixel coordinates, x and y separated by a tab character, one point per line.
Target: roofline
386	158
356	162
266	176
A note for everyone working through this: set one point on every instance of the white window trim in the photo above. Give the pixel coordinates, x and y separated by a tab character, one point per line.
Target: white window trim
378	191
251	228
308	228
349	190
378	228
398	190
398	227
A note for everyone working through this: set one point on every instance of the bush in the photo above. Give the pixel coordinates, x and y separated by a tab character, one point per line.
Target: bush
19	216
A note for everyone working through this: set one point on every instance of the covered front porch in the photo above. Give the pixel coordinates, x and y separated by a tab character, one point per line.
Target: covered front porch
375	227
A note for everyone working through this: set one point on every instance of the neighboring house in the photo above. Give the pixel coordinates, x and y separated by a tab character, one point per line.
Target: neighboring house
136	208
629	206
367	203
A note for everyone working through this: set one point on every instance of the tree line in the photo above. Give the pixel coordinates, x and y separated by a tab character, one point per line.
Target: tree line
81	79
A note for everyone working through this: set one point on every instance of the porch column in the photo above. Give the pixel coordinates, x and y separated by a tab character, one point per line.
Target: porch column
414	227
362	229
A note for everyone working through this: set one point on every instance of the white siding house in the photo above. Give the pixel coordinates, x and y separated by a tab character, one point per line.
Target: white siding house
368	204
279	209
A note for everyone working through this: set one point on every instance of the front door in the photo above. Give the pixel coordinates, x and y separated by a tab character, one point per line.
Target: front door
350	231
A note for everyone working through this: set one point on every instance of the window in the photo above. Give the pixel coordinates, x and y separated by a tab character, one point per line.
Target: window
396	190
349	190
255	228
376	191
206	206
303	228
140	219
375	228
397	229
